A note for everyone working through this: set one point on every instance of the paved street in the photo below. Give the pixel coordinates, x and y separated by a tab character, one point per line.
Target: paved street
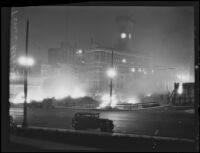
166	122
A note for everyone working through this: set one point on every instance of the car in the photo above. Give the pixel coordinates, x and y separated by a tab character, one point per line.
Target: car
85	120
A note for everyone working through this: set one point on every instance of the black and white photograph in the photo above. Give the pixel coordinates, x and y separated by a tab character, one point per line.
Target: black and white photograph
103	78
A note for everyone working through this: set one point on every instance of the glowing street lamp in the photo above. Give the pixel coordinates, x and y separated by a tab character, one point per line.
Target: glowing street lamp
123	35
111	73
80	51
26	61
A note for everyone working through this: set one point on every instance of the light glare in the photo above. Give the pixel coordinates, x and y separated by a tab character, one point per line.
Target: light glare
26	61
111	73
133	100
180	89
123	35
106	101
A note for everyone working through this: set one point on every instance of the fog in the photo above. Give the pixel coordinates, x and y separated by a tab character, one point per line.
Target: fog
166	34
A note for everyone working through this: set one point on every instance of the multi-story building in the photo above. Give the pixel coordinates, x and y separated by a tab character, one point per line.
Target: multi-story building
129	67
90	67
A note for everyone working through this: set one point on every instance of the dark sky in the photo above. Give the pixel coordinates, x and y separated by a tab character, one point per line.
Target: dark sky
166	33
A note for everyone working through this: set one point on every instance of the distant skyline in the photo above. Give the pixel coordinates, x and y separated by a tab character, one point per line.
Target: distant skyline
166	33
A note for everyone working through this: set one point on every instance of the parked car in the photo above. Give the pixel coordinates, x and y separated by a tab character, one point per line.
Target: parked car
84	120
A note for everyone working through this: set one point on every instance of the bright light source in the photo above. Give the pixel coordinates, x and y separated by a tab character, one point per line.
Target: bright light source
74	93
26	61
111	73
133	69
152	71
124	60
106	101
133	100
80	51
83	62
30	61
180	89
123	35
33	95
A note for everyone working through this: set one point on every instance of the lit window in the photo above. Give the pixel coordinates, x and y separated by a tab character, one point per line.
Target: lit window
133	69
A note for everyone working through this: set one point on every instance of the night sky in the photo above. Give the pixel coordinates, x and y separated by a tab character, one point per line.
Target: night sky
166	33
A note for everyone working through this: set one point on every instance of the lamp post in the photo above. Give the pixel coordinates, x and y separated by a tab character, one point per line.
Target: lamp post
25	62
111	74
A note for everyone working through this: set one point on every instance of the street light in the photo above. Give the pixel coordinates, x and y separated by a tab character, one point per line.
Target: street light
111	73
123	35
25	62
80	51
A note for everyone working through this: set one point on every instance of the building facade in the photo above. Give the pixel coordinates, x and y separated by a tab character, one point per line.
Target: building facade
90	66
129	67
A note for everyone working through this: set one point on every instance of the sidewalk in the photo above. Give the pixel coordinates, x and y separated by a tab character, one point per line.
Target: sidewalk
48	145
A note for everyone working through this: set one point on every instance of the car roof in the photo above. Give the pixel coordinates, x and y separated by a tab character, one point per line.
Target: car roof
87	113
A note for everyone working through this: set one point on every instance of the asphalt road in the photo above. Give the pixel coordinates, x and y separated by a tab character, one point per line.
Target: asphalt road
166	122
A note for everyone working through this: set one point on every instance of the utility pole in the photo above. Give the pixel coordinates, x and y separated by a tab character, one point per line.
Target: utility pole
111	81
25	124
